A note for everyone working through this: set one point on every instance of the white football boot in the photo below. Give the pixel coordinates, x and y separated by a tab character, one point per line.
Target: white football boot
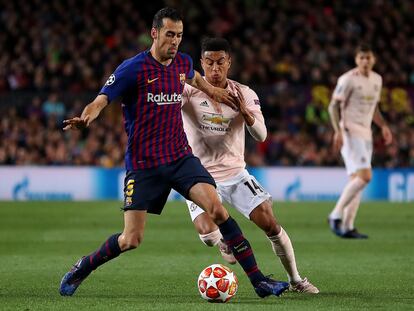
304	286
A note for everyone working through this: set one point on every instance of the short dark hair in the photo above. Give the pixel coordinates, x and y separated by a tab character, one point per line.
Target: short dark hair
215	44
166	12
363	48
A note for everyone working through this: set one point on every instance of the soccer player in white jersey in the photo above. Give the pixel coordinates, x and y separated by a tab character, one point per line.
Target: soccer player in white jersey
353	107
216	134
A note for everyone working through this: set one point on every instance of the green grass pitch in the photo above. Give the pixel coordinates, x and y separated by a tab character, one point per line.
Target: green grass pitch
39	241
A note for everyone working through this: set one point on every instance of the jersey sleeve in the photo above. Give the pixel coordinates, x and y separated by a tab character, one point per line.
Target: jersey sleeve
380	88
190	70
258	129
343	88
252	100
118	83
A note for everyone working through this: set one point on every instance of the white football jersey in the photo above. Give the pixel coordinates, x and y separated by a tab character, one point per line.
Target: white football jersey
359	95
218	138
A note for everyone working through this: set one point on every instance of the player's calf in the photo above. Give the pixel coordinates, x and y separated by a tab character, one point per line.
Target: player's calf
264	218
217	213
241	249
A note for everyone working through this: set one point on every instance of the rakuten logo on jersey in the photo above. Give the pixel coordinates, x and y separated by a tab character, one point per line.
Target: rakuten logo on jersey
164	99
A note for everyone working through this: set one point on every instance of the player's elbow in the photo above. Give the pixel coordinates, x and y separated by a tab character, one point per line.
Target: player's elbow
333	105
262	137
331	108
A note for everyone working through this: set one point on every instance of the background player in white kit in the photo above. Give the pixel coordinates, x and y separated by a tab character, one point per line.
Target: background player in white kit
217	137
353	107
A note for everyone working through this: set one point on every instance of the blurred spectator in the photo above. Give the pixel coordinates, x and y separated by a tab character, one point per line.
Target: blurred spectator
53	108
27	137
65	44
280	48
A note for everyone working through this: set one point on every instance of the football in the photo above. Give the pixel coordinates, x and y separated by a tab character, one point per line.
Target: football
217	283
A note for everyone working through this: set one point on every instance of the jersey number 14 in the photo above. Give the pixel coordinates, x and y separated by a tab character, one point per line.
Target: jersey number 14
254	188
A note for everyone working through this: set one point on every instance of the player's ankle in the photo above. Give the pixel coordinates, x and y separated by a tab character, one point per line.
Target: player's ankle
256	278
335	215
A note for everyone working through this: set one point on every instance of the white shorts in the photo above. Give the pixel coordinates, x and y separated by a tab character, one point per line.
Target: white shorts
357	153
243	192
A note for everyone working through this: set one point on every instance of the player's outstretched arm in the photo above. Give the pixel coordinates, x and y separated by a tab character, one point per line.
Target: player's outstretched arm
385	130
218	95
89	113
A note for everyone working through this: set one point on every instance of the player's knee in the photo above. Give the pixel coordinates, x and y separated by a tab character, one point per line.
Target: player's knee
367	178
365	175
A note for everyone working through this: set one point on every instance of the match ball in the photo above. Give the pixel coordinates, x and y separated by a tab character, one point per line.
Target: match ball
217	283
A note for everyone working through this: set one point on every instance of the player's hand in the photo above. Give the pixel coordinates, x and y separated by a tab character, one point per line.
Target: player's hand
386	134
224	96
242	107
240	101
337	141
76	123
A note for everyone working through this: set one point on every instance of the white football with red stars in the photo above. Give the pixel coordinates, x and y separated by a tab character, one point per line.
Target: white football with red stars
217	283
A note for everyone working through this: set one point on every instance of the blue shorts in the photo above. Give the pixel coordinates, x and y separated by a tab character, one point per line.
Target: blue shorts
148	189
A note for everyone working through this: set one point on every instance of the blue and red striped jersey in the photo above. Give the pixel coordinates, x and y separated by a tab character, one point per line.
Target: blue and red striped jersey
150	94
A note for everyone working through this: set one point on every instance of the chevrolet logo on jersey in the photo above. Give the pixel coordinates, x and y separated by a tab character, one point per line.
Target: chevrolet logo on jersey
368	97
216	119
164	99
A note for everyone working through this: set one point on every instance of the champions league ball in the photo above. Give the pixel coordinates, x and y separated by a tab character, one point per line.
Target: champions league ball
217	283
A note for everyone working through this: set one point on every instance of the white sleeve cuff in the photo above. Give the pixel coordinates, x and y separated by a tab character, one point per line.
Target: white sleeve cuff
258	130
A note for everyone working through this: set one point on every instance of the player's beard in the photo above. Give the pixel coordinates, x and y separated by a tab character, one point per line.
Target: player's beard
171	53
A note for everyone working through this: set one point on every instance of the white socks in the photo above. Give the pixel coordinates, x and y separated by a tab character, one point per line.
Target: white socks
282	247
350	212
352	188
212	238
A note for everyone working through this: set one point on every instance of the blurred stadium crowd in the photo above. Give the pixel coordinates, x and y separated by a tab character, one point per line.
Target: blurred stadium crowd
55	55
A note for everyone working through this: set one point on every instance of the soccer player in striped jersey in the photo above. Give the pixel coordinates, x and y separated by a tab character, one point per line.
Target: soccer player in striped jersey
218	140
353	107
158	157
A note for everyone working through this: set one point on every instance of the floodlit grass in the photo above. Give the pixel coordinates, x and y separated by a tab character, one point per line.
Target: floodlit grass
39	241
